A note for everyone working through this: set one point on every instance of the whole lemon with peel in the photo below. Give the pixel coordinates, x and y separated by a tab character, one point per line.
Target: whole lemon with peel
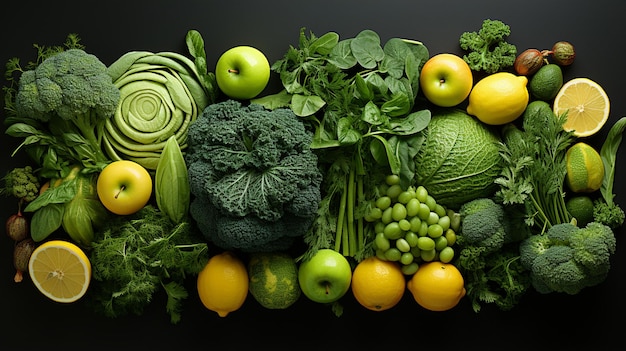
223	283
499	98
437	286
378	285
585	169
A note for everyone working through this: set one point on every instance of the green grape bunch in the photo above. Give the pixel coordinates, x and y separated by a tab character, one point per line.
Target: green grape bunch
411	227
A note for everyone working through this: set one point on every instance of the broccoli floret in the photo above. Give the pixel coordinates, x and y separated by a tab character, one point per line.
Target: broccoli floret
71	92
611	215
22	183
482	224
487	49
255	180
567	258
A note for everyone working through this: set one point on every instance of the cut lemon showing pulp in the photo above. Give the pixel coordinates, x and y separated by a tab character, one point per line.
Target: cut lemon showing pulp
587	106
60	270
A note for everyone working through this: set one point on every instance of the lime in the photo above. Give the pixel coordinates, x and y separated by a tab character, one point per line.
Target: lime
546	83
581	208
585	170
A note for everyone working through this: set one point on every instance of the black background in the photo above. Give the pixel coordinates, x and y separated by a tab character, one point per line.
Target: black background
110	28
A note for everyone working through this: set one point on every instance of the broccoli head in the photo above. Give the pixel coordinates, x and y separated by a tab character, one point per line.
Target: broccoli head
482	224
252	170
567	258
67	97
488	49
70	84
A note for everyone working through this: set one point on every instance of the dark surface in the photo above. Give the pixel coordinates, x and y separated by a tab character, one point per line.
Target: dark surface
111	28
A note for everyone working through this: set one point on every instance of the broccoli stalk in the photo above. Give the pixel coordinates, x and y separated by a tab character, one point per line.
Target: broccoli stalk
487	49
61	106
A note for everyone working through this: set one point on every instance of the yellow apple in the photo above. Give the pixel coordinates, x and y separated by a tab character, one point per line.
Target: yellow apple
124	187
446	80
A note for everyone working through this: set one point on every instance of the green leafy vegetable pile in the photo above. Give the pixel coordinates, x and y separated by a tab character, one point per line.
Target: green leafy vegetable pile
135	257
359	97
254	177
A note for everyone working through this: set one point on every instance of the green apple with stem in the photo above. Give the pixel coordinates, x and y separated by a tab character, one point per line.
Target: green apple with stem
325	277
446	80
124	187
242	72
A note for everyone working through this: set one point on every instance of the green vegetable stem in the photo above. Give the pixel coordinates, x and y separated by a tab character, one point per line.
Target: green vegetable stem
358	96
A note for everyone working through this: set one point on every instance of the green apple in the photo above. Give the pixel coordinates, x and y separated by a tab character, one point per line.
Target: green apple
446	80
242	72
124	187
326	277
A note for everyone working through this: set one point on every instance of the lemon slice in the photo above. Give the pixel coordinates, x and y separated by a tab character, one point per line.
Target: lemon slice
60	270
587	106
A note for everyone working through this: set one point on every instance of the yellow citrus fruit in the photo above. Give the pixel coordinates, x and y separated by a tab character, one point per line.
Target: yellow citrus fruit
378	285
60	270
585	170
499	98
587	106
223	283
437	286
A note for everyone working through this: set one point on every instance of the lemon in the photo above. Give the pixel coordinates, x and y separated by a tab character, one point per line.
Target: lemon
546	82
585	170
223	283
273	279
581	208
60	270
587	106
378	285
499	98
437	286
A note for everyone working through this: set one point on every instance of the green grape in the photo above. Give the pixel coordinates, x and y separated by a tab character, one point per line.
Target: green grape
410	269
382	242
404	224
383	202
386	217
416	223
381	254
403	245
379	227
444	222
406	196
393	254
394	191
423	231
423	212
440	210
406	258
455	220
441	243
392	179
421	193
431	202
412	207
398	212
411	238
432	218
428	255
426	243
392	231
450	237
382	189
435	231
446	255
376	213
